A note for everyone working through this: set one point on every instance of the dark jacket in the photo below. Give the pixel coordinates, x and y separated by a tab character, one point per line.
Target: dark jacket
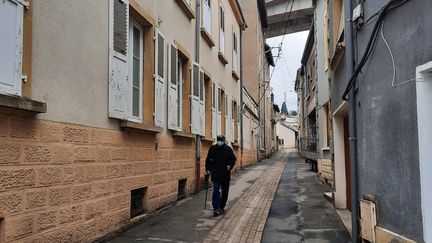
218	158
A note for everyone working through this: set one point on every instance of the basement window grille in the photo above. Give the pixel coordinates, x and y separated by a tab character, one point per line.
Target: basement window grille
138	203
181	189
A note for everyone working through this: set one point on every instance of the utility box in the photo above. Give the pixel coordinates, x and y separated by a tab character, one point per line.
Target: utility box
367	220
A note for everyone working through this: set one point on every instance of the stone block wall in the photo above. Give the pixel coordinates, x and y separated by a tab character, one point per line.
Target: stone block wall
249	157
325	170
68	183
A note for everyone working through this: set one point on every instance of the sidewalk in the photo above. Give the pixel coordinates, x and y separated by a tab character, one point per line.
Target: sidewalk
187	221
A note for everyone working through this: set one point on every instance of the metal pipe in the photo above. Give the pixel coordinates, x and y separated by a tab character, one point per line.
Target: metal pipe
197	59
241	95
352	123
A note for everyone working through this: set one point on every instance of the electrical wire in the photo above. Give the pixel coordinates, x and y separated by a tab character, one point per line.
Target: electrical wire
392	4
390	52
281	44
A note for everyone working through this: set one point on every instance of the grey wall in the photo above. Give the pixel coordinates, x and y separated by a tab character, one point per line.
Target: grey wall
387	116
323	84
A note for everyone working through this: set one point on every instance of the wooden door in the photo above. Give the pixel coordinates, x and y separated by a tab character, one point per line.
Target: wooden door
347	161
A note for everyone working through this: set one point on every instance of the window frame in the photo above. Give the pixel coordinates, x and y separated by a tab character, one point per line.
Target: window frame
180	82
134	24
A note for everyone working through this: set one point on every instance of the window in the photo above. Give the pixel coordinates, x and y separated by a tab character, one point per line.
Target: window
220	125
181	192
175	89
213	110
198	98
206	18
235	54
138	202
126	64
11	28
135	51
221	29
179	91
233	117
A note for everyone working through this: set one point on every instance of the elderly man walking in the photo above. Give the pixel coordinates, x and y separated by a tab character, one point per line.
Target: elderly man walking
219	163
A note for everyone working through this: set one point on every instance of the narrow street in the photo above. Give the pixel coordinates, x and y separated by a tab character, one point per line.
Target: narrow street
258	210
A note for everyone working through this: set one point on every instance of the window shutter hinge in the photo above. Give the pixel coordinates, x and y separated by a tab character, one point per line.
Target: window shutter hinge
25	3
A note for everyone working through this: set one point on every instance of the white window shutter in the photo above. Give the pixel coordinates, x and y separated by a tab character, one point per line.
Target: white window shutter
213	110
202	105
11	44
227	119
119	91
232	120
239	114
195	99
173	86
206	19
219	115
159	79
235	62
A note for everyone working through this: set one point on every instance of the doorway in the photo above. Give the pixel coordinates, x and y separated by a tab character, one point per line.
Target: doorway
424	117
342	187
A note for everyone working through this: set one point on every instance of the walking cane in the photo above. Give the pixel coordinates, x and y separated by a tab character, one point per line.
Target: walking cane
206	178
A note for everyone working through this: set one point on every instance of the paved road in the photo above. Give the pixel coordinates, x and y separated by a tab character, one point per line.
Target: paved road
299	212
281	188
187	221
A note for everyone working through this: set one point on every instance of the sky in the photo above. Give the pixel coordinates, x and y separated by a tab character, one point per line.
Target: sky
284	75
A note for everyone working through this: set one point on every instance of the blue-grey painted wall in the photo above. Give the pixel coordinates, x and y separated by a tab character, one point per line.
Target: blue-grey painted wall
387	116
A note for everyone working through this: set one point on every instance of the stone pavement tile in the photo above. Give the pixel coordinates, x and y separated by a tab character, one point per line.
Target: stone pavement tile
246	220
188	222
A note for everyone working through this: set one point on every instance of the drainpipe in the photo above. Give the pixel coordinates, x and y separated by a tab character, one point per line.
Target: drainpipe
197	58
352	123
264	121
241	95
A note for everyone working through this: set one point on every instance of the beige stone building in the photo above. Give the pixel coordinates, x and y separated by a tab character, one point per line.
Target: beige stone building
107	109
257	59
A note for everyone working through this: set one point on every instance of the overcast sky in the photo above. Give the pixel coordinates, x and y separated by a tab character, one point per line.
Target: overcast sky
286	67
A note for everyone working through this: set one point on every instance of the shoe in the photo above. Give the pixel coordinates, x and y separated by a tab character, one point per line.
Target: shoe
222	211
216	213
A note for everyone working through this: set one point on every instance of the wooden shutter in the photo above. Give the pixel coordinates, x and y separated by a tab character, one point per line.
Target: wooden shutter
219	112
119	91
202	105
206	16
173	86
239	114
227	119
195	99
159	78
213	110
235	56
222	30
233	108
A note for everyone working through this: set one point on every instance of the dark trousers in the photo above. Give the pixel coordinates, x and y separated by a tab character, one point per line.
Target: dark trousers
220	194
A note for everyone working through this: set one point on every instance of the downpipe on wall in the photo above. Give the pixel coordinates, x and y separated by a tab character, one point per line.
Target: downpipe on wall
198	137
352	124
241	95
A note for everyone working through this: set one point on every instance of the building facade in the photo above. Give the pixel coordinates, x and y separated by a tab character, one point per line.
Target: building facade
307	92
107	110
390	172
256	80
